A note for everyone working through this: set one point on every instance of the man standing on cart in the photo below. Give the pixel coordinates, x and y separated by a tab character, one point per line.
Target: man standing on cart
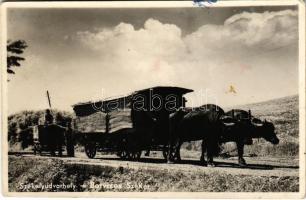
48	117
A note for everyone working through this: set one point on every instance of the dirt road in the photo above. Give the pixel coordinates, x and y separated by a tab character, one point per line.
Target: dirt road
258	166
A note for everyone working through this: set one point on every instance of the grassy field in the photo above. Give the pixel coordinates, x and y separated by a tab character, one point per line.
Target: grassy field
24	172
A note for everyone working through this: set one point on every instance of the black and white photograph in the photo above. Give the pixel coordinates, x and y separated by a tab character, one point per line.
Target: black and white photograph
124	98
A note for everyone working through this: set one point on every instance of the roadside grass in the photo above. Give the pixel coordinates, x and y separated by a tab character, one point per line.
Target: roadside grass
261	148
125	179
26	170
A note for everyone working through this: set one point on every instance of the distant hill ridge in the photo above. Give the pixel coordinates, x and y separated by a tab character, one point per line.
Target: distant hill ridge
279	105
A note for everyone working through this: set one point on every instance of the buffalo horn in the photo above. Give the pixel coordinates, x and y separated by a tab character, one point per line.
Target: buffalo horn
230	123
257	123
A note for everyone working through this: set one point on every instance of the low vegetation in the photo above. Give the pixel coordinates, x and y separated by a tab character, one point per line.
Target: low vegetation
84	177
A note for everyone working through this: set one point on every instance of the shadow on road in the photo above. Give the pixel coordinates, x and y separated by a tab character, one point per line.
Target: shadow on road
221	164
218	163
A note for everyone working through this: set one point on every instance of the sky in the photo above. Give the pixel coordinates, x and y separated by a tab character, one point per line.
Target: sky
228	56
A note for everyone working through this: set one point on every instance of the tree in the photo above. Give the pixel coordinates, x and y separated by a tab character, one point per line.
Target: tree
14	49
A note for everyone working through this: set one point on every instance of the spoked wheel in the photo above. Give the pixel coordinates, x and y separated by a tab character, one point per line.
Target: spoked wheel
90	150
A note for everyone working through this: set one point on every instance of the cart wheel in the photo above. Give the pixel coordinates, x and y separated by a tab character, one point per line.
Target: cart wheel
90	150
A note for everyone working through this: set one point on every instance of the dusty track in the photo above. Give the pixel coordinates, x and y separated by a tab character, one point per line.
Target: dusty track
257	166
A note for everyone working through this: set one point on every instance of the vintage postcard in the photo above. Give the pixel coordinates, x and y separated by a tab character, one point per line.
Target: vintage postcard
169	99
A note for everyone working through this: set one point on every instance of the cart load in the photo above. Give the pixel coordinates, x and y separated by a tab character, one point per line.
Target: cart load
101	122
128	124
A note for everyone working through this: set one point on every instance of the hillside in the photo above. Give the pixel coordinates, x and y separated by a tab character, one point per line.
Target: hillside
284	114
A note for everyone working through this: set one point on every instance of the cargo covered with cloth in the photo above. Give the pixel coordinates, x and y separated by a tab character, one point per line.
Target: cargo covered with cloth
120	119
101	122
93	123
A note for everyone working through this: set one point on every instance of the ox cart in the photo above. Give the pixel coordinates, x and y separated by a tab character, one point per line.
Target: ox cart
52	137
129	124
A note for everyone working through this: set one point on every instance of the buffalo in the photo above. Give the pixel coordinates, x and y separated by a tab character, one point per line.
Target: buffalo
207	123
212	125
256	129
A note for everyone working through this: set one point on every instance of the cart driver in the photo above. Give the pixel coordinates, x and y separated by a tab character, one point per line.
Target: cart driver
48	117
